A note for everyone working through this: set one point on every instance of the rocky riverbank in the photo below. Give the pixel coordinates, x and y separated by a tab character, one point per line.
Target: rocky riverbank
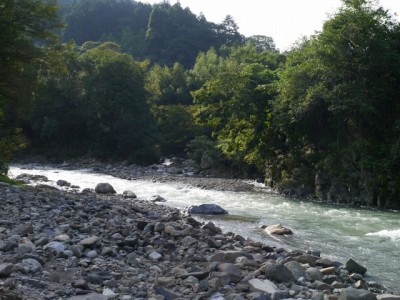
67	245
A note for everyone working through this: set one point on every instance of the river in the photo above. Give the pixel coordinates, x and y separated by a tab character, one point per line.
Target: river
370	237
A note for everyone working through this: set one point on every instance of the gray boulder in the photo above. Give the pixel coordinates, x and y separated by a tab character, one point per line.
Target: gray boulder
355	294
157	198
207	209
354	267
63	183
278	273
129	194
296	269
104	188
278	229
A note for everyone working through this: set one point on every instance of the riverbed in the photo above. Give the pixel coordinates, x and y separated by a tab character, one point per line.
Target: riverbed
371	237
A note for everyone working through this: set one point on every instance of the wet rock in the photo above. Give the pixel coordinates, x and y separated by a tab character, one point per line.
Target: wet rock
207	209
355	294
63	183
104	188
129	194
354	267
278	229
157	198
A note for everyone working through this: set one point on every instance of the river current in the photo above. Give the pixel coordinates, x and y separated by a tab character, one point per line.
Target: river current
370	237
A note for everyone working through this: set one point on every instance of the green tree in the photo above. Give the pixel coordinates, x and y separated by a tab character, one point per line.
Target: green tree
338	103
235	103
27	28
119	119
167	85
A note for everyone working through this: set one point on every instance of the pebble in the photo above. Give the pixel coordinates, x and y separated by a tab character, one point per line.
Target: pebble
89	246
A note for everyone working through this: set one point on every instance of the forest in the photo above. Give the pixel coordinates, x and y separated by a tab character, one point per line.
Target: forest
127	81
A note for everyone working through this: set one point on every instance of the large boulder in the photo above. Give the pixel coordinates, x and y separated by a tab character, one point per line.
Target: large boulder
278	229
104	188
356	294
207	209
278	273
296	269
354	267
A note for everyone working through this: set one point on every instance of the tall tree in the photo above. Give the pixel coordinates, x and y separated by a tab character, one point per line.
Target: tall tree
339	98
235	102
118	117
27	28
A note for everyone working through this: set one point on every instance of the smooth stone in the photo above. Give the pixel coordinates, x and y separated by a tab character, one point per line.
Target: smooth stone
109	293
55	246
155	256
328	271
31	265
91	254
263	285
278	229
62	238
89	241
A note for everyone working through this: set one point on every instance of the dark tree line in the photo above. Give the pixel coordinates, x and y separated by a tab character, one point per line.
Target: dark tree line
163	33
320	120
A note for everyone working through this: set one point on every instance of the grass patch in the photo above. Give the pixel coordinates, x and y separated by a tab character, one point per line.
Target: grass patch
6	179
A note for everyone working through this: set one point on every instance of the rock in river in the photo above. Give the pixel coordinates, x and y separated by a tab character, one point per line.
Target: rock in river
207	209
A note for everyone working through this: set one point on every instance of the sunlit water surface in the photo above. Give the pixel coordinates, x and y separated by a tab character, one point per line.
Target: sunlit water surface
370	237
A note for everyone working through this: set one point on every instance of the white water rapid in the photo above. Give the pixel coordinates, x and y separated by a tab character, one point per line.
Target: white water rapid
370	237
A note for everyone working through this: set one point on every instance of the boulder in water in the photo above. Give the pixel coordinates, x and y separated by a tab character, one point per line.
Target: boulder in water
278	229
207	209
354	267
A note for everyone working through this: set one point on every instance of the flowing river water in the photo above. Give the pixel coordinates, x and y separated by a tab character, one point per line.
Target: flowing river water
370	237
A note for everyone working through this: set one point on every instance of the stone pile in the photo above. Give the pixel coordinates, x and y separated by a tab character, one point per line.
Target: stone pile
62	245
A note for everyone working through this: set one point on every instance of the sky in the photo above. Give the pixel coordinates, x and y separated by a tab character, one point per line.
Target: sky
286	21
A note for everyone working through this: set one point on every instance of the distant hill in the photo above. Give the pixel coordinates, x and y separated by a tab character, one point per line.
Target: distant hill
161	32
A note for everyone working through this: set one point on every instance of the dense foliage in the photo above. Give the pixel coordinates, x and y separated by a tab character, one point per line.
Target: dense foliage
321	120
163	33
